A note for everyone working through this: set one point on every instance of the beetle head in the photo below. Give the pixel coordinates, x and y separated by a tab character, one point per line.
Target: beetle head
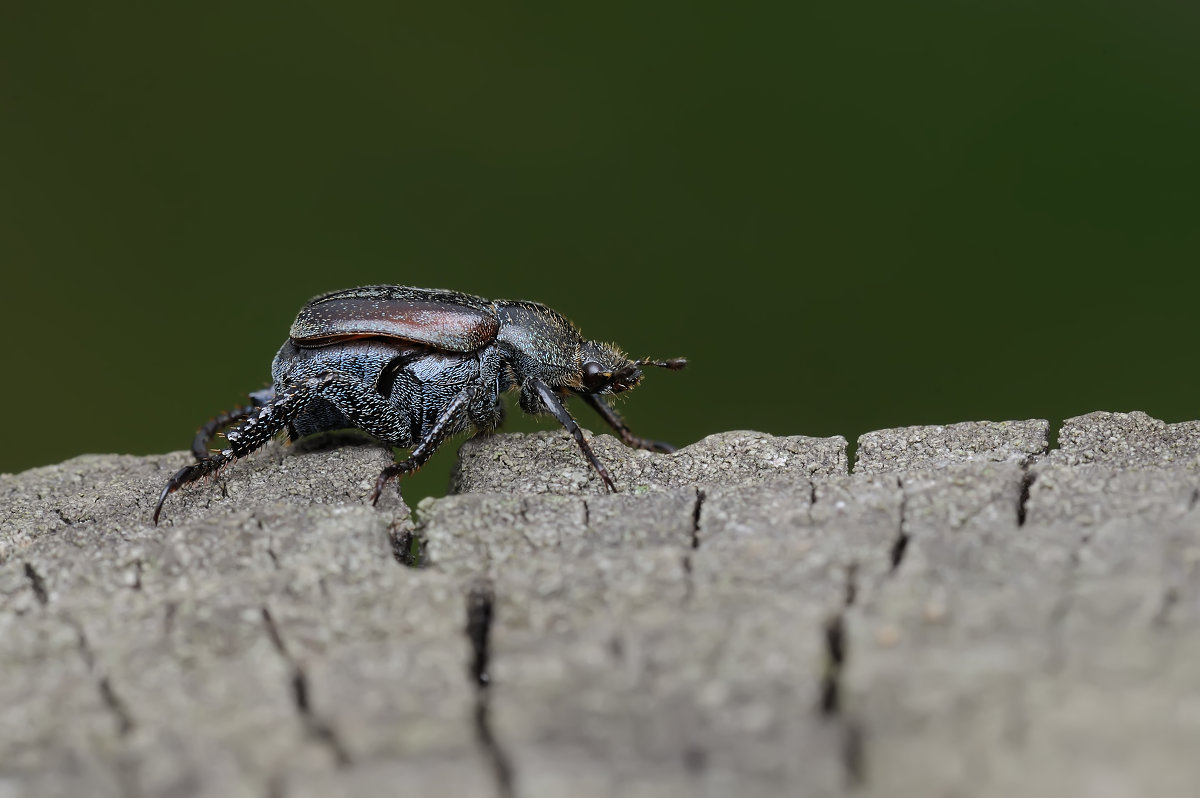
605	369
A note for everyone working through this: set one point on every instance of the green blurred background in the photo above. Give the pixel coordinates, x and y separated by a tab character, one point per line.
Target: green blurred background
849	216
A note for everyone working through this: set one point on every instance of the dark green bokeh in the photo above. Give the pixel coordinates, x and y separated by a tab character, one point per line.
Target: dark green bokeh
848	216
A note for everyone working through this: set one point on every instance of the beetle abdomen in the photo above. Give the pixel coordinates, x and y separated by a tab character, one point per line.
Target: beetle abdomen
361	362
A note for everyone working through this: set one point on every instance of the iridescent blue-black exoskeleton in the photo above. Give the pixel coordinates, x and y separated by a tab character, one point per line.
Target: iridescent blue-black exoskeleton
413	366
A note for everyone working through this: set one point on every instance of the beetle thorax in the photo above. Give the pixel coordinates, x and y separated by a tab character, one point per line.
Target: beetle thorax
538	343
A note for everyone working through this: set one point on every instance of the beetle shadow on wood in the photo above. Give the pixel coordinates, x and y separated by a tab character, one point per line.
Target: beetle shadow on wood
335	439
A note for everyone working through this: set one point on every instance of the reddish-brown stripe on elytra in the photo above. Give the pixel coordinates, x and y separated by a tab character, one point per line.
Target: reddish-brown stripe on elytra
452	328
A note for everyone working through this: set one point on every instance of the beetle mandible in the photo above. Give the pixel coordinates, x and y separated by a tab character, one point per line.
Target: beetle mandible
414	366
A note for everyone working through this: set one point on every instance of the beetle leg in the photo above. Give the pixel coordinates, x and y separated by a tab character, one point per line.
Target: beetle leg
204	435
183	476
260	425
555	406
617	423
443	428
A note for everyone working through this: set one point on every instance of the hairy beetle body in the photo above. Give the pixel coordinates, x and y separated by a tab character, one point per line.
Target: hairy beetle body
414	366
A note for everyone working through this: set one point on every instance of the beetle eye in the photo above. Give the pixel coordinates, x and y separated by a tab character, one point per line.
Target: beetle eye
594	376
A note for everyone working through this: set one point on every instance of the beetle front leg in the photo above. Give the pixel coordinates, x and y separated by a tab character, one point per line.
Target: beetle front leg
443	427
552	403
617	423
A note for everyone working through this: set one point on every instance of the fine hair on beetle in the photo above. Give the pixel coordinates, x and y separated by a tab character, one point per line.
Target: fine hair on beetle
413	367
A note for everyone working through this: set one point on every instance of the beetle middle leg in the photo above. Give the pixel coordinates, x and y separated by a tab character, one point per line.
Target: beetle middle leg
445	426
615	421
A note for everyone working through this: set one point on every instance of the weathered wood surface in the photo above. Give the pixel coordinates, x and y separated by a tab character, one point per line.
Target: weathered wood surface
967	613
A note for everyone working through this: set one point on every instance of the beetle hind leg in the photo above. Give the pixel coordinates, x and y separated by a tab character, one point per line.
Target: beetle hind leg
206	433
363	408
257	426
187	474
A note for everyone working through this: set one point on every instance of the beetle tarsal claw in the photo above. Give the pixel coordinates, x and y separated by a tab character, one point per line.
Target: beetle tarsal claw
414	366
388	474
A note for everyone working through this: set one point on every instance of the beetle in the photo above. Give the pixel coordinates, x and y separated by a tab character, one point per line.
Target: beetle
414	366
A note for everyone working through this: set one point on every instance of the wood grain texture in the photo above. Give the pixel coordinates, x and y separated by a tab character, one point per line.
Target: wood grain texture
966	612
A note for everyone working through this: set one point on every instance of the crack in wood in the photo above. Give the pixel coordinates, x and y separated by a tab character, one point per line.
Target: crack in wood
108	695
1027	480
408	548
851	734
37	584
480	615
835	659
116	706
689	587
316	726
851	592
900	544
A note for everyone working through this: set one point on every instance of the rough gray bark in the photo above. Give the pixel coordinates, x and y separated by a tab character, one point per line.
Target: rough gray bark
966	613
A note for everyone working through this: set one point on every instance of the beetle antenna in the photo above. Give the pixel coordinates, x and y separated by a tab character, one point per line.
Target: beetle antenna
674	364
